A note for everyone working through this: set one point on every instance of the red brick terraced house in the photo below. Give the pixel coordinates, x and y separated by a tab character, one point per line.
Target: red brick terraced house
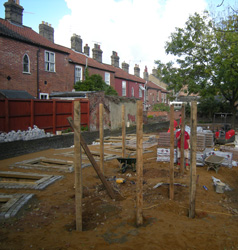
34	63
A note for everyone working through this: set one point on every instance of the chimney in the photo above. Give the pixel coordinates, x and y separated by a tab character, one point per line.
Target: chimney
76	43
97	53
86	49
46	31
137	70
13	12
115	59
125	67
146	75
154	72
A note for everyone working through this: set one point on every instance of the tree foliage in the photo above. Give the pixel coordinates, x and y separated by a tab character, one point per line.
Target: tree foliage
160	107
94	83
207	58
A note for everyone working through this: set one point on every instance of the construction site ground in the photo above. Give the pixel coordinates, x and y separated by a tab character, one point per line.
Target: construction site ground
47	221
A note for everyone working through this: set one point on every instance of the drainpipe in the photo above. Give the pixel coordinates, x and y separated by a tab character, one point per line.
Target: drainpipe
145	96
37	74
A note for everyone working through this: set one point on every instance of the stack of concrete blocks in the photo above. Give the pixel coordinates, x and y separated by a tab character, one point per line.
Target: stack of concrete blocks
201	142
209	138
164	139
234	151
163	155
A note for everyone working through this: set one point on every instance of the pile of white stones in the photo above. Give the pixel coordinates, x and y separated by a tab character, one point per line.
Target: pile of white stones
25	135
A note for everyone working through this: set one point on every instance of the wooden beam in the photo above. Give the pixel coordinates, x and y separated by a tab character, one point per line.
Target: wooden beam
93	162
139	164
123	129
182	138
101	128
193	139
171	172
78	167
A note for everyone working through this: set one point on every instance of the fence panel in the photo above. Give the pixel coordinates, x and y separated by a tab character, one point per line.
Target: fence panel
50	115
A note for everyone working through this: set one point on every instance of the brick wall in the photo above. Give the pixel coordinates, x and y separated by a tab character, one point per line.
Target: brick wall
11	69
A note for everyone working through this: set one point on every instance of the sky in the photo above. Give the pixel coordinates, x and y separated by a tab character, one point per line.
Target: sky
136	29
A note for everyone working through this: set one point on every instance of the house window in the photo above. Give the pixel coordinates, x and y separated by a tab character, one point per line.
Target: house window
158	96
44	96
107	78
49	61
26	64
132	92
140	91
124	88
78	74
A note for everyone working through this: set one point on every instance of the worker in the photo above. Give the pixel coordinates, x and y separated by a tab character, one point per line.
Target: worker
175	126
186	146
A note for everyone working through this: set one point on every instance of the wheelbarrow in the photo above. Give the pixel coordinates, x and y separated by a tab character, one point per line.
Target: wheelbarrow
214	162
127	163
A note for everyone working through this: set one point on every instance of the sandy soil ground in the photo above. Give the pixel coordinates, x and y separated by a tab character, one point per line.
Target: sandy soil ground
48	221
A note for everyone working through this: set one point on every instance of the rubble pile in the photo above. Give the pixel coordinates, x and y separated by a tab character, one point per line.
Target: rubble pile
25	135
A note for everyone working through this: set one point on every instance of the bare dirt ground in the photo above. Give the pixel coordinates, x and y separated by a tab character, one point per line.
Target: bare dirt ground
48	221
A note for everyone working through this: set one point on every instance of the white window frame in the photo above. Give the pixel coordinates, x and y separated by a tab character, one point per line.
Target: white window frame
28	64
49	61
107	78
140	91
132	92
44	96
78	74
123	88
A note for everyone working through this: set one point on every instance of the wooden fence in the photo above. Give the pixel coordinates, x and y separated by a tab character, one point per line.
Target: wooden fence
50	115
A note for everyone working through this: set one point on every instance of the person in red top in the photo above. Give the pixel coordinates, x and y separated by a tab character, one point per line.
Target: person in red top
186	146
175	126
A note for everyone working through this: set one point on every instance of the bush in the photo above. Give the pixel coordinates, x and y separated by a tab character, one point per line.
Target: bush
160	107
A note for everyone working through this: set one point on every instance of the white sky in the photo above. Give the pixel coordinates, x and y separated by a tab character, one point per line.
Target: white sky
136	29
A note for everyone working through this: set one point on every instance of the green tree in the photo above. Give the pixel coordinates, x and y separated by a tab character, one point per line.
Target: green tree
160	107
94	83
207	58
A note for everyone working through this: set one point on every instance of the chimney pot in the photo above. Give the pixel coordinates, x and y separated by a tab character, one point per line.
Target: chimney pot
76	43
125	67
146	75
97	53
86	49
115	59
137	70
13	12
46	31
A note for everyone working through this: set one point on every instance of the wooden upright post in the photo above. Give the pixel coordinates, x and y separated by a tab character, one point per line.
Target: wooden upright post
101	109
139	164
123	129
77	167
182	127
193	139
171	175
